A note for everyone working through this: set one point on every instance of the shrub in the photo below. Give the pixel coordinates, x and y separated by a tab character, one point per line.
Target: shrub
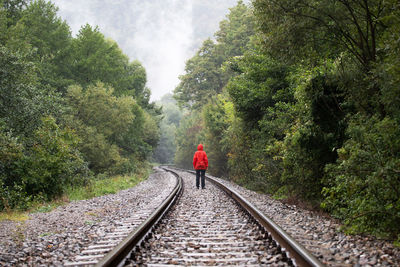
53	162
40	169
365	183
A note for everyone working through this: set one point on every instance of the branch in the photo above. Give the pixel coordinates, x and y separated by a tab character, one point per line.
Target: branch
349	42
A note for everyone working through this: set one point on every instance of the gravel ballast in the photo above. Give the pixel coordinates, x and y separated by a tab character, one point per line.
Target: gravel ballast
56	237
321	234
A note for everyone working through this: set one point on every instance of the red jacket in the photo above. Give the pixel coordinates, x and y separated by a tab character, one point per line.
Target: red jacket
200	161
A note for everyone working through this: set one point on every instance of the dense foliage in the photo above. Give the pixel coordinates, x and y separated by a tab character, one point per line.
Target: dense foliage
300	99
70	108
166	148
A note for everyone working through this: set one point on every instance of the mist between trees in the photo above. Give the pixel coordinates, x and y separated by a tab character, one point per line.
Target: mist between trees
301	99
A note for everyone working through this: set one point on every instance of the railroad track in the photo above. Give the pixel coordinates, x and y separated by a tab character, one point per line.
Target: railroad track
207	228
123	228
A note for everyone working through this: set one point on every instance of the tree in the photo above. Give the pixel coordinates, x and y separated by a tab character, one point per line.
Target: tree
235	31
96	59
53	130
53	162
101	120
363	188
204	75
22	101
166	147
387	72
261	83
355	26
264	100
188	136
13	10
217	116
49	38
43	169
202	78
134	83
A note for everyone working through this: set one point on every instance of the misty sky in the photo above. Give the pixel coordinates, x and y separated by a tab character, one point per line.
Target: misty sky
162	34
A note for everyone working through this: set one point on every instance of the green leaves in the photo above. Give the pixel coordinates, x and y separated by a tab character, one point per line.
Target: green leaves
364	184
53	161
98	107
101	120
254	91
114	125
204	75
95	58
48	38
308	106
22	101
309	30
202	78
44	168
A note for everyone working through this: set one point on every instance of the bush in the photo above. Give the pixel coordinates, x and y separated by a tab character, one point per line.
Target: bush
14	197
53	162
41	169
364	184
12	193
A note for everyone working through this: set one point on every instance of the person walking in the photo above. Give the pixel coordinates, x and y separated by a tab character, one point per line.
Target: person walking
200	164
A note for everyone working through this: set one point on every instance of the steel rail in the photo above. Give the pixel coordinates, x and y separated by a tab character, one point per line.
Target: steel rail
296	251
301	256
123	249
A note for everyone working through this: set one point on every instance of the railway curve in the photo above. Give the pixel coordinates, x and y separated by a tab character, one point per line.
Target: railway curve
208	227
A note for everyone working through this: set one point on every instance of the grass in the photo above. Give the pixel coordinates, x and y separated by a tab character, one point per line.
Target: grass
100	187
16	216
97	187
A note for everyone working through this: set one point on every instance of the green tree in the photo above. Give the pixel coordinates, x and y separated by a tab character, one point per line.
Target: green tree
188	136
263	98
235	31
53	162
22	101
387	72
51	130
204	76
355	26
347	107
13	10
217	116
41	170
166	148
99	59
364	186
49	38
96	58
262	83
311	31
101	120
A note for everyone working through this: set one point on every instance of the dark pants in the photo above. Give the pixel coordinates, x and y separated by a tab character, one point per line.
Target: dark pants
201	173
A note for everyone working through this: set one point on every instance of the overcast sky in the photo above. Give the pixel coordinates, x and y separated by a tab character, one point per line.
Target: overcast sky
162	34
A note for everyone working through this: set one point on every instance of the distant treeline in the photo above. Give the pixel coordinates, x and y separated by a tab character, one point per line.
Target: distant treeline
70	108
301	99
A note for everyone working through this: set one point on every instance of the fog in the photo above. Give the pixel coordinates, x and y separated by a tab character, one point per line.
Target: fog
162	34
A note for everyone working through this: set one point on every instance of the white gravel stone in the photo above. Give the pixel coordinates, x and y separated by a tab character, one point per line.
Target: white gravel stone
56	237
321	235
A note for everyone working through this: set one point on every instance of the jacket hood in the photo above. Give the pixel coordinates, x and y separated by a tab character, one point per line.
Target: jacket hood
200	147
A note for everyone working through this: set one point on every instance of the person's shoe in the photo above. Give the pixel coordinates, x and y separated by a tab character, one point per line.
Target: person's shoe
203	188
197	187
